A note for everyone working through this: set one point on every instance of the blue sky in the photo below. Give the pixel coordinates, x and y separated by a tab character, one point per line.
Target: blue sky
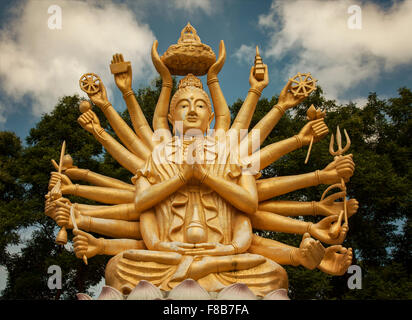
39	65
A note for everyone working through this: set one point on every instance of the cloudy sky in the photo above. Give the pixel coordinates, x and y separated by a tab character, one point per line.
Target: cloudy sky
38	64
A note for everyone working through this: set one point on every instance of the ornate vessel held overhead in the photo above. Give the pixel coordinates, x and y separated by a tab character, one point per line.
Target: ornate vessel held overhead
189	55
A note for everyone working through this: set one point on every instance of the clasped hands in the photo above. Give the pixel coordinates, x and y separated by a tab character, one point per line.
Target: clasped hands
196	170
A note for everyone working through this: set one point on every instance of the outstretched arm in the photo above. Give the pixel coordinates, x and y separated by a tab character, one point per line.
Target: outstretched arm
263	220
140	124
222	112
160	121
126	135
108	227
86	244
245	114
342	167
128	160
309	254
97	179
316	129
286	101
326	207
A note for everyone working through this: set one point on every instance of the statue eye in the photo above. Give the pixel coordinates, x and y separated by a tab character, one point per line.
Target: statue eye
200	106
183	106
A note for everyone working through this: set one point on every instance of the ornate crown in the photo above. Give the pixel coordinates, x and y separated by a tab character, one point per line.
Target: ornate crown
190	81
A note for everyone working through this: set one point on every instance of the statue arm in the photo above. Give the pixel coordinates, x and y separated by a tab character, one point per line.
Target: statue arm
160	121
243	196
128	160
126	212
290	208
141	127
279	252
263	220
222	112
97	179
245	114
150	195
110	227
340	168
100	194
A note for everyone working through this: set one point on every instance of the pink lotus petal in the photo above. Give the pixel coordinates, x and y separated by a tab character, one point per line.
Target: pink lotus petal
109	293
83	296
145	291
236	291
189	289
279	294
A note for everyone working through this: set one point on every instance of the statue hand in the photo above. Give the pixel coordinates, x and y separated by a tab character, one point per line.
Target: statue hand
86	244
336	261
310	252
316	129
63	214
218	65
259	85
341	167
99	98
329	207
199	171
89	121
50	207
123	80
56	177
286	98
174	246
321	230
161	68
186	170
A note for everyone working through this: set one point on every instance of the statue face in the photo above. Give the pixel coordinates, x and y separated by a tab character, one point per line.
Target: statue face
191	109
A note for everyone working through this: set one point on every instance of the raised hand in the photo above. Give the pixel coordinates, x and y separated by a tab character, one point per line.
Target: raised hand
161	68
322	229
336	261
89	121
310	252
316	129
86	244
258	85
218	65
99	98
124	79
341	167
287	99
329	207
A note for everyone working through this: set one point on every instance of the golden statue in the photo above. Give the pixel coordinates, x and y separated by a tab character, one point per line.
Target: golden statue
195	193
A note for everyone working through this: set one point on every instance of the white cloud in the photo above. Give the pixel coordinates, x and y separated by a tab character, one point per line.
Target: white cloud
193	5
315	35
45	64
246	54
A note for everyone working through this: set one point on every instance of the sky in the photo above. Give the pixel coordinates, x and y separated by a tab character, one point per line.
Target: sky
351	47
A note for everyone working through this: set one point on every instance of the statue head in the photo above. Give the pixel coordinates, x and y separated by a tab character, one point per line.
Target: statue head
190	110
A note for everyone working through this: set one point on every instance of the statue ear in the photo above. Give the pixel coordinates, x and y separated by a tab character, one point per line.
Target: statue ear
170	118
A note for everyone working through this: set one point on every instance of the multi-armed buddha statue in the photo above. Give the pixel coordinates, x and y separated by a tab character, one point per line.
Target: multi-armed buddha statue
195	193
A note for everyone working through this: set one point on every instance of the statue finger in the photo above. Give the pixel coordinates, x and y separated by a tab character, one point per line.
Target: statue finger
121	57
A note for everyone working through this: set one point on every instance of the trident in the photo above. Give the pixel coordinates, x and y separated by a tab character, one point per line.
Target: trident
335	230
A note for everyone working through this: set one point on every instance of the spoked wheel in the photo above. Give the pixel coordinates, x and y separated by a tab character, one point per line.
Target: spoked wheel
90	83
303	84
